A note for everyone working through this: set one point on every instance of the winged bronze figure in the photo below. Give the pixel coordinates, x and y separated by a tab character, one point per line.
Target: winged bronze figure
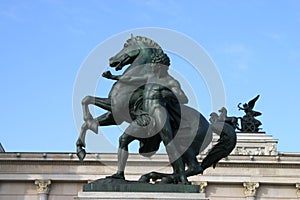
248	121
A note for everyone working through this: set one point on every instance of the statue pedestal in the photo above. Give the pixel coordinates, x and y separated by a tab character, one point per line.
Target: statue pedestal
255	144
139	195
252	144
123	189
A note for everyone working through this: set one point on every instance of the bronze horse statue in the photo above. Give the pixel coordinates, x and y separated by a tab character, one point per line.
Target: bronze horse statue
124	100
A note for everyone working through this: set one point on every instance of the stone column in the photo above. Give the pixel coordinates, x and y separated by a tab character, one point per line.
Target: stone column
250	190
298	190
43	188
202	185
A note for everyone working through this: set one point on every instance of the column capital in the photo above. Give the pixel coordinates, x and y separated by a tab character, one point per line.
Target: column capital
42	186
298	190
250	188
202	185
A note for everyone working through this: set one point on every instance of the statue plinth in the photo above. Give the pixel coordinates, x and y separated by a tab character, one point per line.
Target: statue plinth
255	144
120	185
139	195
122	189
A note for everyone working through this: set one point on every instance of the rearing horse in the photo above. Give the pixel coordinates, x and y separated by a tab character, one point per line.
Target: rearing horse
139	52
143	54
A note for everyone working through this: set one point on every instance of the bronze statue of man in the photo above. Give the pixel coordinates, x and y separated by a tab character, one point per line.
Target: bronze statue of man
223	126
160	88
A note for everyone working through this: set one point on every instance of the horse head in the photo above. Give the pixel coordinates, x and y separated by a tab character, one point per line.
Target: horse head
142	55
127	55
141	50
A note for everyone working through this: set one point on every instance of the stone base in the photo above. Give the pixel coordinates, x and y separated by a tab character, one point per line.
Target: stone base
109	188
139	195
255	144
120	185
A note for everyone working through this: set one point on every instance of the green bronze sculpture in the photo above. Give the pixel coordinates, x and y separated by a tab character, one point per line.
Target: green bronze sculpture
225	127
152	102
248	122
156	94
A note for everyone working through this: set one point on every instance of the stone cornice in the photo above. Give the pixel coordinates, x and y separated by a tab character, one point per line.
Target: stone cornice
283	160
202	184
203	178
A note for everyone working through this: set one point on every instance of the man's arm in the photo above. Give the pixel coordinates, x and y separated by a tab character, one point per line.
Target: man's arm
133	79
177	91
108	75
182	98
126	79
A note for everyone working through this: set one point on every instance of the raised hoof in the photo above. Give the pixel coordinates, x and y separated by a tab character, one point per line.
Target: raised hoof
80	153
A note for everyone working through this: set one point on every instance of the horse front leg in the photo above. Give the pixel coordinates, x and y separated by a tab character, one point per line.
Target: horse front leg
92	123
80	144
85	107
104	103
104	120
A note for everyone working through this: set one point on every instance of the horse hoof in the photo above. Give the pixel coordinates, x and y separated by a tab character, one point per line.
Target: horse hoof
184	181
81	154
117	176
144	179
195	170
187	183
166	180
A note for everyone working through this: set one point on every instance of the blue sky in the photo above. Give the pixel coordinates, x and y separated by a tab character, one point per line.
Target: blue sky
254	44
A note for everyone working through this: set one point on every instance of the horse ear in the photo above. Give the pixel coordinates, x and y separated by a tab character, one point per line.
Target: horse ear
132	36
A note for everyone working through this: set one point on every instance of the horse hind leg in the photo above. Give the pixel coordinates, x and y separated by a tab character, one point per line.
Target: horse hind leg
152	176
194	170
193	165
164	177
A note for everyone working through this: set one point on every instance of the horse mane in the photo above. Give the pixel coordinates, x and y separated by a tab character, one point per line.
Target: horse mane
158	56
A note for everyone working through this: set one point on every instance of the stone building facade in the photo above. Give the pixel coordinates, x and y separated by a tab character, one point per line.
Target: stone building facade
254	170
